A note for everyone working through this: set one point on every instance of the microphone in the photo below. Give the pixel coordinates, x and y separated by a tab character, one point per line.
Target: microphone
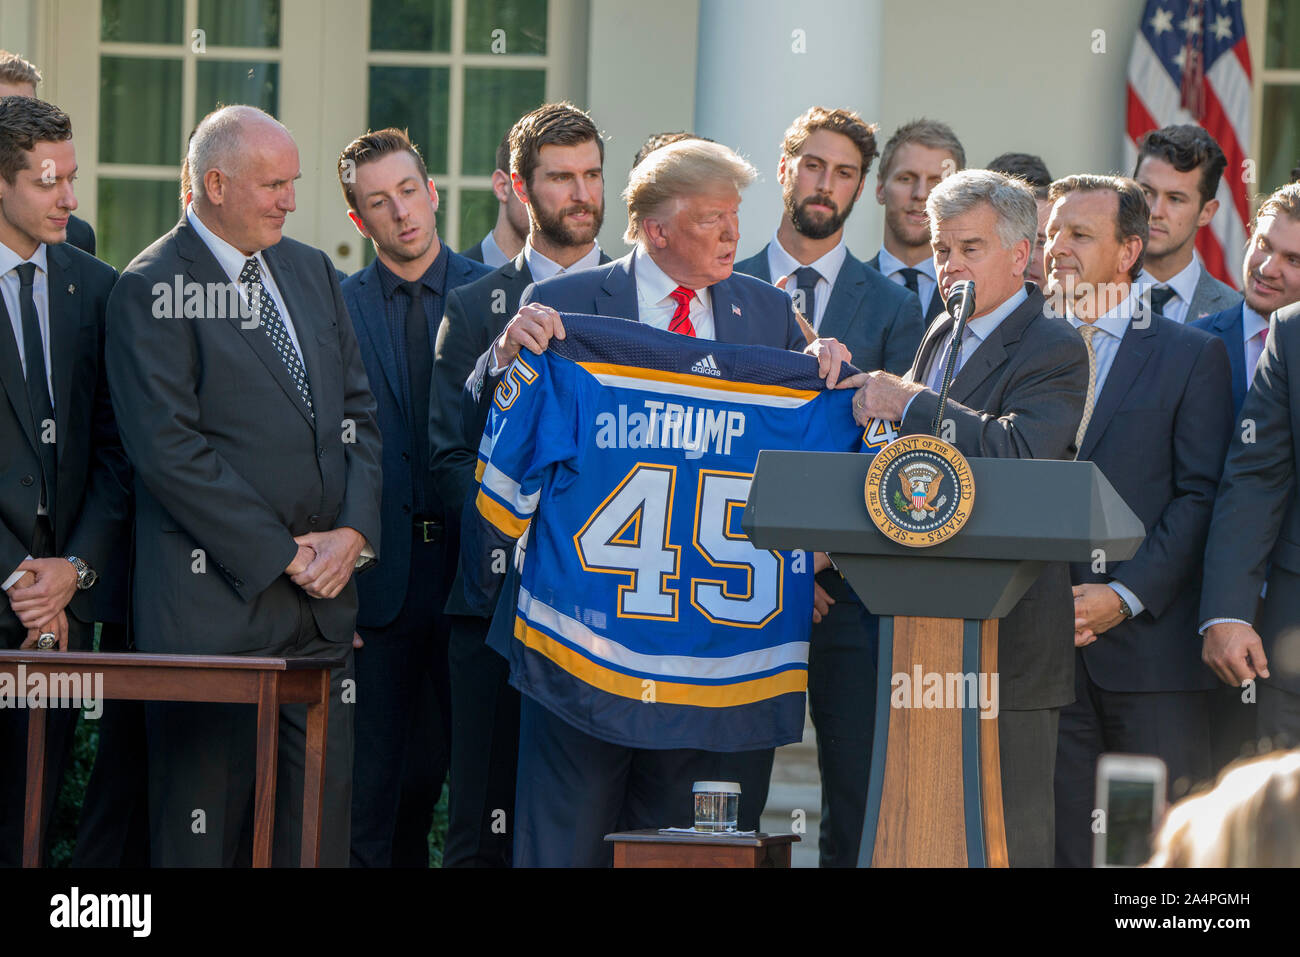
960	303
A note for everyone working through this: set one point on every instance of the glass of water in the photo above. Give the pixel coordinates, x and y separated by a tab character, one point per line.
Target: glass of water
717	804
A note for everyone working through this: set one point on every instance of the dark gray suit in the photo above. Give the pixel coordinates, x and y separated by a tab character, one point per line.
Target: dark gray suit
1255	533
1211	296
1158	432
1021	395
230	466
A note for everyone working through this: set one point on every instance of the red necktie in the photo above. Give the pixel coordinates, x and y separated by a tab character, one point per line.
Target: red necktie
681	320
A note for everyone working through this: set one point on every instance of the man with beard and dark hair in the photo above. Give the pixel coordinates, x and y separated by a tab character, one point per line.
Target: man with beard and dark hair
556	165
919	156
825	157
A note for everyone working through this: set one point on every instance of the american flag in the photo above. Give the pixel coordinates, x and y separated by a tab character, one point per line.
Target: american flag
1190	64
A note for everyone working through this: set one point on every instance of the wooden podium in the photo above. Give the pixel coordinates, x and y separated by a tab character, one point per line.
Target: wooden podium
935	792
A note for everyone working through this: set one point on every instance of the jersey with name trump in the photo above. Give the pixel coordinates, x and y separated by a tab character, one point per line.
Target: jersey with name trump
645	616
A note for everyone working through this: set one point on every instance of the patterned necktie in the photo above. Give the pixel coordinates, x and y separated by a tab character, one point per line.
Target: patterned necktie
268	317
681	320
38	389
1088	332
806	279
1160	296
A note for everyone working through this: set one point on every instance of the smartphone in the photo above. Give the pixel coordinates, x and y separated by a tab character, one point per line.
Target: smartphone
1131	800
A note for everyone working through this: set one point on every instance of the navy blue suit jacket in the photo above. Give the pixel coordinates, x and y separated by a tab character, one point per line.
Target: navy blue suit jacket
382	590
1159	431
746	311
878	320
1227	325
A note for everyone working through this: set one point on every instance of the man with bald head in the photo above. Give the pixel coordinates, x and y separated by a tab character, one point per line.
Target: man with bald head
252	430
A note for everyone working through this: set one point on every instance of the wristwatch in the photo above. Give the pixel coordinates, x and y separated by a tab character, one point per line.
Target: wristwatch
86	576
1124	609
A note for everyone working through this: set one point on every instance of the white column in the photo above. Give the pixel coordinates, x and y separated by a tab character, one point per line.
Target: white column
763	62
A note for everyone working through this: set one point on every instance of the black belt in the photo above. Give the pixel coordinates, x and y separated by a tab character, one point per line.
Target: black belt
428	530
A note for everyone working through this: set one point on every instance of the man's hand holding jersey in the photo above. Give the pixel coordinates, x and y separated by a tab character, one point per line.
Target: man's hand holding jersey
534	326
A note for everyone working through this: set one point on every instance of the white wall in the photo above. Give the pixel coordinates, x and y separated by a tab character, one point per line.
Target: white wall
641	80
1007	75
761	64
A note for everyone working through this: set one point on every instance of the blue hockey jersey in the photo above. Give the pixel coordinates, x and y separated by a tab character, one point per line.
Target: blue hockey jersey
645	617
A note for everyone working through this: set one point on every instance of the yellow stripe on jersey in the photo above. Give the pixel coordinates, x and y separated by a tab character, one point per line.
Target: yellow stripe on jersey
665	692
708	383
479	467
501	518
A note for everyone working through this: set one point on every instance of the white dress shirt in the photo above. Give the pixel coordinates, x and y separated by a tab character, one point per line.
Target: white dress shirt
656	307
927	283
543	268
492	254
231	261
1183	285
781	263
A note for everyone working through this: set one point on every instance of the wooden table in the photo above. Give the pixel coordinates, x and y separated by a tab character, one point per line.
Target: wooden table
266	682
651	848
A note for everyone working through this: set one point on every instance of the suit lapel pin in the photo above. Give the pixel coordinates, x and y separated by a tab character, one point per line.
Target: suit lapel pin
735	310
71	289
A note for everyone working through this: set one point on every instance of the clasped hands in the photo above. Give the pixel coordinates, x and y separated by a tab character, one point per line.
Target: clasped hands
325	561
39	598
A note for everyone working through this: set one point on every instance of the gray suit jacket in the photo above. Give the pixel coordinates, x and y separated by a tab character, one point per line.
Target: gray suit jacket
229	463
1255	531
1019	395
878	320
1211	296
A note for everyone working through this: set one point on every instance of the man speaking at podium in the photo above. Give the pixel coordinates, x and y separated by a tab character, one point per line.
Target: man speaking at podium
1017	391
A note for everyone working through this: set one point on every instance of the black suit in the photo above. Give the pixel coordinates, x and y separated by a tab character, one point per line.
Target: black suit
1158	431
1021	394
230	465
474	253
1255	532
880	323
88	511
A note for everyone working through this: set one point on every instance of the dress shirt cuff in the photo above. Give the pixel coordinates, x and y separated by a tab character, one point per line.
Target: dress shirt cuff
367	553
908	406
12	580
1134	603
1220	621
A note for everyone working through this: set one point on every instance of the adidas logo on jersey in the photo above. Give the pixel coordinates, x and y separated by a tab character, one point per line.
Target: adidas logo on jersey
706	366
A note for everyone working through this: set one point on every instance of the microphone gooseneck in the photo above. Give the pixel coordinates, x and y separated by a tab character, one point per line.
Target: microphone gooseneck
961	303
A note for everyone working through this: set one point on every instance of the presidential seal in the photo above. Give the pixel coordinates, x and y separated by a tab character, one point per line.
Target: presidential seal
919	491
